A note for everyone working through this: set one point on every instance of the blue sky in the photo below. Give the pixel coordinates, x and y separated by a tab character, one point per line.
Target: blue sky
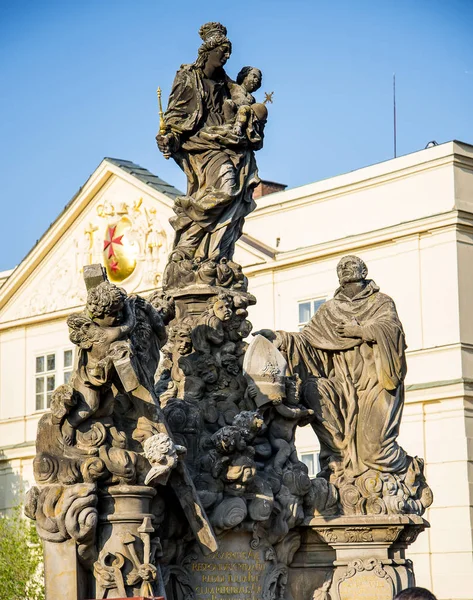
79	78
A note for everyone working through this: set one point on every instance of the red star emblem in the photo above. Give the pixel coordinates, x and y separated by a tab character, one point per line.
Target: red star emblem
110	240
114	265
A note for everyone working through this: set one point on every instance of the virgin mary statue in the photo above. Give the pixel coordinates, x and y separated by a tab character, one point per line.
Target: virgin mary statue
219	164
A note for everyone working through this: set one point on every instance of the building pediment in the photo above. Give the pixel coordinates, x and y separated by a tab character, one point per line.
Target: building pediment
119	218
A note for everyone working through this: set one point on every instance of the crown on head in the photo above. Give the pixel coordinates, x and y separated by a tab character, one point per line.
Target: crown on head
209	30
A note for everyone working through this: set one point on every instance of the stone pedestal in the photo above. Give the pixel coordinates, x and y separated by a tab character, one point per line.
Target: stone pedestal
191	301
312	566
370	561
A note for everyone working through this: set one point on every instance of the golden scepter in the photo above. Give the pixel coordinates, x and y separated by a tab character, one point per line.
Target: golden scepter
163	128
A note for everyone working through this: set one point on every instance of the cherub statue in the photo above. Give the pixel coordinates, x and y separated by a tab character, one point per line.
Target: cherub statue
232	459
206	369
63	401
109	318
287	414
252	426
209	330
178	349
229	389
239	278
164	304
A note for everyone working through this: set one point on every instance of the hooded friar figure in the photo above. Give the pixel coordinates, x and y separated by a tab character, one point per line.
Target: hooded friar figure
351	358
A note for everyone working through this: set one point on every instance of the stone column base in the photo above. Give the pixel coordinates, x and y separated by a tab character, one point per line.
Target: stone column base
63	572
370	561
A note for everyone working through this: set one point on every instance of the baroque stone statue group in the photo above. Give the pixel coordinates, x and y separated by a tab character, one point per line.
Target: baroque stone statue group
167	466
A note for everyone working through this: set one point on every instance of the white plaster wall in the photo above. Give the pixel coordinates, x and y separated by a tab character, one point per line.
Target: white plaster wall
365	200
435	430
16	478
463	178
12	374
465	282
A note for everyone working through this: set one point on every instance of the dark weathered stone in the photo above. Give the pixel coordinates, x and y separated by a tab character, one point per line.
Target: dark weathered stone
94	275
241	451
351	360
211	128
104	437
240	570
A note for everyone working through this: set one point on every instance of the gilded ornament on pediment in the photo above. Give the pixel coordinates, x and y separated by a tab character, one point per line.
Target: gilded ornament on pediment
137	205
89	232
120	252
122	209
106	209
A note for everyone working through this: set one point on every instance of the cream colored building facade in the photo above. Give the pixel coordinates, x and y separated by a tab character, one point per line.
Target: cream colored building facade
410	219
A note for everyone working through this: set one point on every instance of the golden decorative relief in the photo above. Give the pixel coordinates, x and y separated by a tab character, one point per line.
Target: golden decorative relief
128	239
119	251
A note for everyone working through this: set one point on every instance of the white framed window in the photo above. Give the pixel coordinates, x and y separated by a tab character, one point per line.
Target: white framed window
51	370
45	379
307	309
311	460
68	359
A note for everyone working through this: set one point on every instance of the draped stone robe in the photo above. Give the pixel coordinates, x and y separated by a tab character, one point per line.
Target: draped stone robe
220	167
354	385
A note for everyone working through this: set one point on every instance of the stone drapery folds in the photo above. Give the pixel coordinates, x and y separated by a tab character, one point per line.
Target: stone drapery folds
211	128
351	359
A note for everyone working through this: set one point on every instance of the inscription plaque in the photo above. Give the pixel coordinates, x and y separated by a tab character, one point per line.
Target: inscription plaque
367	586
234	571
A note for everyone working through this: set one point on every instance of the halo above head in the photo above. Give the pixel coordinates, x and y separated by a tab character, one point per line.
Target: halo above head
211	29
